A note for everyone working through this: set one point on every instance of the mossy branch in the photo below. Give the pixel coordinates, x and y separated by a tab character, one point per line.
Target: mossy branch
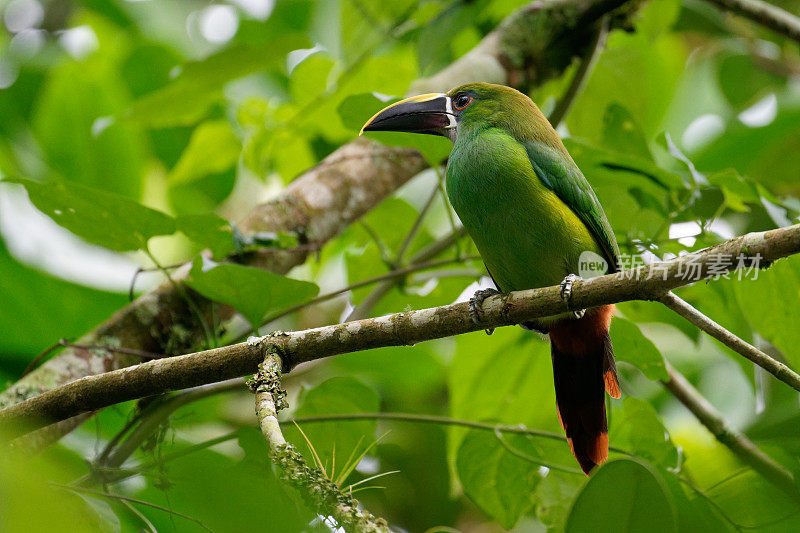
319	492
649	282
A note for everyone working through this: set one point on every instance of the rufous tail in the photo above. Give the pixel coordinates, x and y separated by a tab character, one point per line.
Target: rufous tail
583	370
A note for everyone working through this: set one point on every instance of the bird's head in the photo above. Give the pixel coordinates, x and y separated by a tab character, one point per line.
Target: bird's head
467	108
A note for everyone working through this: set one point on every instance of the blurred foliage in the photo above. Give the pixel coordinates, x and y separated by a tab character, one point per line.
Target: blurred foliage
152	127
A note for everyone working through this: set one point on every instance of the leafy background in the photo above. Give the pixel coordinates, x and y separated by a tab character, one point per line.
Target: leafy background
137	131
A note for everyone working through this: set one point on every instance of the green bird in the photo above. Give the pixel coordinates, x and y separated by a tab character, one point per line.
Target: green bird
535	219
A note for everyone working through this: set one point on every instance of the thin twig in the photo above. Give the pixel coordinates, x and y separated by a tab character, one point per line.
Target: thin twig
116	349
738	345
157	414
768	15
394	274
131	500
432	250
581	75
415	227
138	514
736	442
185	295
36	360
115	475
382	249
141	270
427	419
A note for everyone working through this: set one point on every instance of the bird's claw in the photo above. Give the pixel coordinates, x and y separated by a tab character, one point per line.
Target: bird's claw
566	293
476	312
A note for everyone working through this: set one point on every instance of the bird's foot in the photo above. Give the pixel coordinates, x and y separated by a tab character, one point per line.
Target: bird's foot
566	293
476	306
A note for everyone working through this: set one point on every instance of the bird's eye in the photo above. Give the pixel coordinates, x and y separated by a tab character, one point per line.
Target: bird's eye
461	101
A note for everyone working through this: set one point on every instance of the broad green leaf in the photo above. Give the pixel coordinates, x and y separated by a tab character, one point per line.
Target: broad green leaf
498	481
621	133
213	148
356	109
309	79
738	191
759	153
735	68
335	441
754	503
38	309
769	302
25	485
187	98
245	491
434	46
79	141
554	496
635	70
630	345
209	230
98	217
252	291
636	428
623	495
401	371
694	510
518	391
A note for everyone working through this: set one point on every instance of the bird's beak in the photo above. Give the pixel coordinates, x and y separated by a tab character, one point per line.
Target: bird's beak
426	113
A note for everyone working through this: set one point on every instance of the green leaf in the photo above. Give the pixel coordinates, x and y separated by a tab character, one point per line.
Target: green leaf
623	495
79	141
505	378
356	109
636	428
188	97
630	345
213	148
769	302
738	191
38	309
101	218
246	491
401	371
622	133
636	70
695	512
252	291
209	230
735	68
754	503
499	482
339	395
554	496
310	78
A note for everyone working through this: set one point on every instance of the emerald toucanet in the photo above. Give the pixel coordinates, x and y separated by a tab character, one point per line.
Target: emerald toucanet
534	218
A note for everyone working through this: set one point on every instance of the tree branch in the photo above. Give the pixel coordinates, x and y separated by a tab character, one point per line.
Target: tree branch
649	282
740	445
532	45
765	14
774	367
322	494
580	77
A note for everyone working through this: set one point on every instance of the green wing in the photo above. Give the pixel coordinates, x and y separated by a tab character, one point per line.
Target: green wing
565	179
